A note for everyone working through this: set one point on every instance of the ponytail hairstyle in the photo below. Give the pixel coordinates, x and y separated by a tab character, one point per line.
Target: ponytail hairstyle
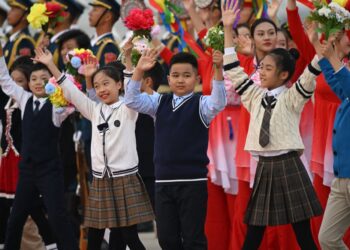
285	60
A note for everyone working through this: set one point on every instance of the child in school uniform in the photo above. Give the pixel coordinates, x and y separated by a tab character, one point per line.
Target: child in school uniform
11	142
282	191
182	119
40	172
118	199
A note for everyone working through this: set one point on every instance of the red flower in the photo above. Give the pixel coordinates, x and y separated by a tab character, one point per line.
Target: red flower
139	19
53	9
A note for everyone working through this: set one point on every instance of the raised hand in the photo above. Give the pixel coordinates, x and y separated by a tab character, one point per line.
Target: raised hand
230	10
244	45
218	58
310	28
273	8
188	4
127	48
43	56
90	67
147	60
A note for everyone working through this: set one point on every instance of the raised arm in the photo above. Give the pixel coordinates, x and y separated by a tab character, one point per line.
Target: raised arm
134	99
240	80
211	105
297	31
303	89
9	86
82	103
336	74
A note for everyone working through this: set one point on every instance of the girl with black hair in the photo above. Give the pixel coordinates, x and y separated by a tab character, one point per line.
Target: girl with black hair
282	191
118	199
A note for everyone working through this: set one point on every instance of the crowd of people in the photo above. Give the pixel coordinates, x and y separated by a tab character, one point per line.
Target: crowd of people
239	148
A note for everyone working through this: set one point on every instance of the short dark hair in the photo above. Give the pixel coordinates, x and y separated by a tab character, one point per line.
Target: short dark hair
184	57
40	66
260	21
80	37
110	71
157	75
285	60
23	64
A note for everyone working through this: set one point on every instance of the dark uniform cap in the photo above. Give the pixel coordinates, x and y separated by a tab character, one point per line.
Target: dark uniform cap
22	4
71	6
111	5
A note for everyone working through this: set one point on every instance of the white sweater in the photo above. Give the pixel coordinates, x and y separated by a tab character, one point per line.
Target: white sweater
120	141
284	123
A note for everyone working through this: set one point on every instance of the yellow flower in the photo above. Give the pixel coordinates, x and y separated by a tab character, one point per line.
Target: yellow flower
57	99
342	3
37	17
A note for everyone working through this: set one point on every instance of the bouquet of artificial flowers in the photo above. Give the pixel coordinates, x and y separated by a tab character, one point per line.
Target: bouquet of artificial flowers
76	61
46	15
215	38
55	93
332	17
140	22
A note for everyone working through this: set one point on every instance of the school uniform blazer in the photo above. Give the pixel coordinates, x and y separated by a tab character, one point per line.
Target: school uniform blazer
120	142
284	123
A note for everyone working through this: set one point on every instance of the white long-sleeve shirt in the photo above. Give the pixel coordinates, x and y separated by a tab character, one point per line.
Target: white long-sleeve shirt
120	140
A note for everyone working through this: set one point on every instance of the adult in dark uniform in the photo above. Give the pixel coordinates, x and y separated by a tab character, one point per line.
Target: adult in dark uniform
72	7
20	42
102	17
4	8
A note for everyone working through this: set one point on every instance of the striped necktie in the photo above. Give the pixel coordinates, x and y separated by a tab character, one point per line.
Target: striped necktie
264	137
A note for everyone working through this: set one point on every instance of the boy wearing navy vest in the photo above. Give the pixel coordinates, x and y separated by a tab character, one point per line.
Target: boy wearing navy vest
180	152
40	172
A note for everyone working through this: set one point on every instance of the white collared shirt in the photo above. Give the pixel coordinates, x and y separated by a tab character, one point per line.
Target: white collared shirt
177	100
277	91
108	109
56	36
96	38
14	36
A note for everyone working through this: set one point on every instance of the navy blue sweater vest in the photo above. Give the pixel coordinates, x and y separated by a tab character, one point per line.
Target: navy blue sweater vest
181	140
39	134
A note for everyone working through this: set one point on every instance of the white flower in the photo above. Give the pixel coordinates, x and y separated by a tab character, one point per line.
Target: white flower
324	11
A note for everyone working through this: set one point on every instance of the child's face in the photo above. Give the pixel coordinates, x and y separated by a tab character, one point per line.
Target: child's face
281	40
37	82
265	37
182	78
106	88
20	79
66	47
270	77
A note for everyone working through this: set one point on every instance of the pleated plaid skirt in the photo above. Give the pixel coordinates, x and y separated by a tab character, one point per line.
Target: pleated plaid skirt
282	192
117	202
